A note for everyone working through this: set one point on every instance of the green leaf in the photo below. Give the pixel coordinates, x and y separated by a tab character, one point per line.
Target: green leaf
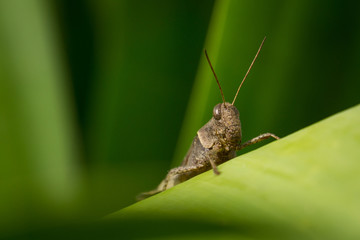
40	177
305	185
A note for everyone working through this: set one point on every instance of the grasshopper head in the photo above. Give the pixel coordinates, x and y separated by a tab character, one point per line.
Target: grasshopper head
227	119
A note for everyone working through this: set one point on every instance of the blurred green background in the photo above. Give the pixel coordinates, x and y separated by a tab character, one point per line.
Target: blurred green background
98	99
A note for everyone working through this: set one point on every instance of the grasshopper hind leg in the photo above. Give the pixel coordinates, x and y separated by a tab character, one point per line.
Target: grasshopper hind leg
174	177
144	195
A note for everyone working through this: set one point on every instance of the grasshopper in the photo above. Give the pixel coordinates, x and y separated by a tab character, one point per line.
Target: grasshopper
215	143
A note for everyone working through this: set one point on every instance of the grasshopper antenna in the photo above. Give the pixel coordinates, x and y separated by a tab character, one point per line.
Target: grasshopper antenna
222	94
262	43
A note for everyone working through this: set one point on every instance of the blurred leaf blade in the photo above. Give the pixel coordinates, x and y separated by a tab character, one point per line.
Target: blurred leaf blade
304	185
39	147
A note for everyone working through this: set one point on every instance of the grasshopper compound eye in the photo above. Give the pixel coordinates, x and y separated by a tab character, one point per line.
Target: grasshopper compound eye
217	112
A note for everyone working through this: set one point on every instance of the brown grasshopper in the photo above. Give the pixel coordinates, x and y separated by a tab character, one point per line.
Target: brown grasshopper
215	143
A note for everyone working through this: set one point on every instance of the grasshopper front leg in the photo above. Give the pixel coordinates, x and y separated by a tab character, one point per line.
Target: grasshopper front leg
257	139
